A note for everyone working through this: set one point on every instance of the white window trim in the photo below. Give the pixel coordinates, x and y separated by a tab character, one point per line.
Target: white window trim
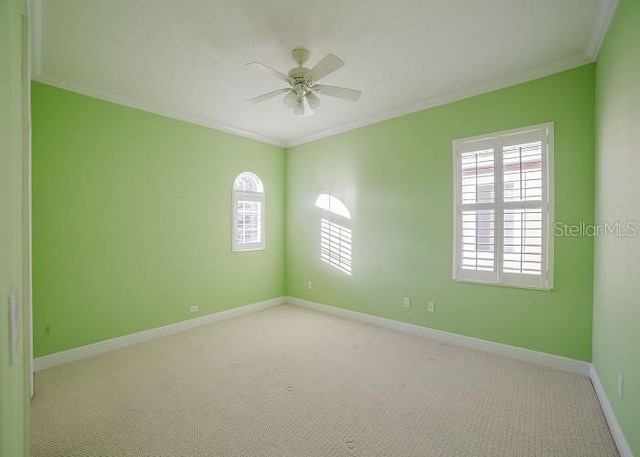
497	277
241	195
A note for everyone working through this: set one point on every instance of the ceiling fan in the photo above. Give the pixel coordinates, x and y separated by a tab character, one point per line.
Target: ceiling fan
303	87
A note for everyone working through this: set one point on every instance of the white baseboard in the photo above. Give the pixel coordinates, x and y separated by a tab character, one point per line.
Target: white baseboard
527	355
540	358
621	442
59	358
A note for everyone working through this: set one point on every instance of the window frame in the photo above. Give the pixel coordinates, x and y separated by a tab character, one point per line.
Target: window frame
239	195
498	141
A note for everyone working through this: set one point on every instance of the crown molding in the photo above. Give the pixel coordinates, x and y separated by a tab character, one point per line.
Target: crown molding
490	86
439	100
35	14
150	108
600	28
603	20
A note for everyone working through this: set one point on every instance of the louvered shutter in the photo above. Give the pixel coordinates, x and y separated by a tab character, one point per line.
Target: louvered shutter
503	211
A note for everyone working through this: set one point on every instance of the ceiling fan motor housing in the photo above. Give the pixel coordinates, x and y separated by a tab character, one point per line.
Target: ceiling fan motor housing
300	84
299	75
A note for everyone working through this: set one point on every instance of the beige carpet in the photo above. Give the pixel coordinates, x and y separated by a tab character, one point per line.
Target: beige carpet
291	382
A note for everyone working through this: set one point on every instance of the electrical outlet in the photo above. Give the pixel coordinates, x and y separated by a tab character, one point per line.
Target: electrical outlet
309	285
407	302
194	309
620	386
431	307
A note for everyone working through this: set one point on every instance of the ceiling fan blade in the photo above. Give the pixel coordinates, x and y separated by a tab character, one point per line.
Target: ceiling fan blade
308	111
272	71
326	66
268	95
340	92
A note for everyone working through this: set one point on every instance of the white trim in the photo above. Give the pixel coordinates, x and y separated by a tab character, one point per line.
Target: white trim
90	350
527	355
600	28
27	208
150	108
551	206
238	195
35	12
444	99
497	142
618	436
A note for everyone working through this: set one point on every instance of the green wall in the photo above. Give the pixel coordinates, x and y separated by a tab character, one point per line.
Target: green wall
396	179
132	220
616	330
14	405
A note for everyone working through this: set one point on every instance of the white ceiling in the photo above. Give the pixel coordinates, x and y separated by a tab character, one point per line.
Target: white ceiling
185	58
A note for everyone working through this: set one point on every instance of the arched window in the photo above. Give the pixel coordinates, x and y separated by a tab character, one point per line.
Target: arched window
335	233
248	213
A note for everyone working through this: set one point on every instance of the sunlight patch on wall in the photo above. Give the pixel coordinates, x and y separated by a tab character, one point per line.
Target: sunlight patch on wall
335	235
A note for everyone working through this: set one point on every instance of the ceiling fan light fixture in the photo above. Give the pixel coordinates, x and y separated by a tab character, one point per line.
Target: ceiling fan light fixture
298	108
313	100
290	99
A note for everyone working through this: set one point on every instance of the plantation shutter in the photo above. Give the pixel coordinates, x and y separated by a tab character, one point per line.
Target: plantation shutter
477	184
502	208
248	219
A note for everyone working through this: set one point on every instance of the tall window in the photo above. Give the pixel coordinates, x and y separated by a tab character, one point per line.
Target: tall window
335	234
503	208
248	213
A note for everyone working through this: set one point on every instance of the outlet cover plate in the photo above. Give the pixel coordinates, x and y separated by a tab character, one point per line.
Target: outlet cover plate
620	386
